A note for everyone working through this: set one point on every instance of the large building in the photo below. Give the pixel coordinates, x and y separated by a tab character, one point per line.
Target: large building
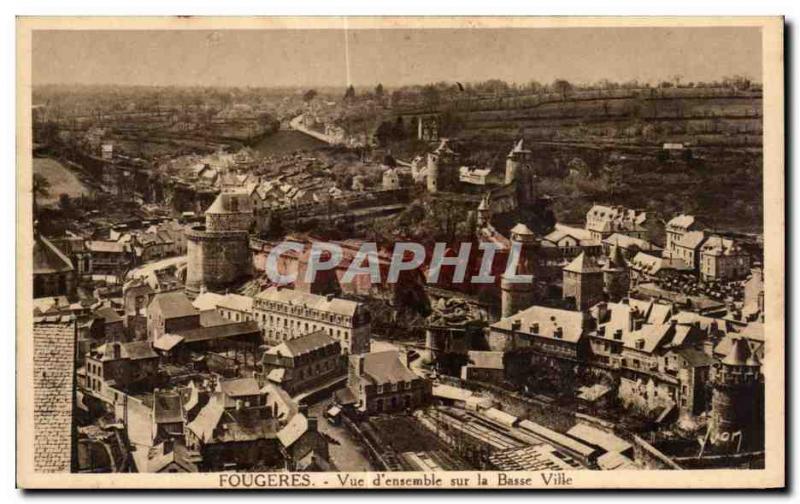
218	252
603	221
302	364
722	259
381	383
285	314
53	271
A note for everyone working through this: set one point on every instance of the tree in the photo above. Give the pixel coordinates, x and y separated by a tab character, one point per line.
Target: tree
379	90
430	96
562	87
350	93
41	186
309	95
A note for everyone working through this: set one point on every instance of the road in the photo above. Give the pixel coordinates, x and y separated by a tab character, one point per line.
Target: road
346	453
297	124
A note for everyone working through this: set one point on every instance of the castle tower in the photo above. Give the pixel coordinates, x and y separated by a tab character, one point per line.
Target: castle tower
583	281
515	159
615	275
219	252
737	417
516	296
433	173
484	212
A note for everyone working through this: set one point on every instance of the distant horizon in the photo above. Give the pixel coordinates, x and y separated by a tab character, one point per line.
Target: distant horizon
335	58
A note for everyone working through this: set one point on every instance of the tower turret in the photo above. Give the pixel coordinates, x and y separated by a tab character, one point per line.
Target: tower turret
737	403
517	296
616	279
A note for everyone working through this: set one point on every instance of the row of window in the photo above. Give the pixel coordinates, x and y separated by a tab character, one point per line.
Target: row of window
303	311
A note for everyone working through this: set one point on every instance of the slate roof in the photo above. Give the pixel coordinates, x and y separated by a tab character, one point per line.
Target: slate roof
297	298
53	382
694	357
584	264
219	331
108	314
691	239
486	360
239	387
173	304
384	368
570	321
47	258
134	350
296	347
167	407
681	221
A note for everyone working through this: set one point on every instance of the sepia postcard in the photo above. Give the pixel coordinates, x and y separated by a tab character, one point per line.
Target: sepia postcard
400	253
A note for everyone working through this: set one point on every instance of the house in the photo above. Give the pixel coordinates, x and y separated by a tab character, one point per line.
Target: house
379	382
553	335
722	259
686	247
113	323
645	267
110	257
169	312
304	363
277	435
390	181
629	246
240	392
603	221
476	176
114	367
484	366
53	272
677	227
567	242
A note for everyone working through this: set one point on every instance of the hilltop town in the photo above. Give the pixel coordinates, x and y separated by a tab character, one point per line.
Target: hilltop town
163	343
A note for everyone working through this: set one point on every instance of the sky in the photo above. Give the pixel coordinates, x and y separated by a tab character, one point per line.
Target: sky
333	57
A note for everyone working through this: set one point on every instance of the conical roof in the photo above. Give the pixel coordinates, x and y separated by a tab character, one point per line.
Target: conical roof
521	230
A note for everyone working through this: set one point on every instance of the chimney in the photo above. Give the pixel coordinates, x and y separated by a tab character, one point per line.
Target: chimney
303	409
708	347
312	424
239	404
116	350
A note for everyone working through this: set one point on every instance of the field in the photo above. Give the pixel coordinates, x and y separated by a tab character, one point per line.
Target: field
61	179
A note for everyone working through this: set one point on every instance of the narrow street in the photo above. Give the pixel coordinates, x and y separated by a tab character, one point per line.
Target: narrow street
345	453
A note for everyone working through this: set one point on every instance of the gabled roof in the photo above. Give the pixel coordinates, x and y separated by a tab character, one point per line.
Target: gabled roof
239	387
296	347
173	304
47	258
108	314
691	239
549	319
694	357
681	221
53	375
219	331
522	230
383	368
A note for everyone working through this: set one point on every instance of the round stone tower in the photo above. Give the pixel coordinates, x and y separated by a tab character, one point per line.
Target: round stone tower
517	296
736	401
432	179
218	253
616	280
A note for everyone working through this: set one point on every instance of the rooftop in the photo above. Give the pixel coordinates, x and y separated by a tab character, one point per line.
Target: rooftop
549	320
302	345
298	298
